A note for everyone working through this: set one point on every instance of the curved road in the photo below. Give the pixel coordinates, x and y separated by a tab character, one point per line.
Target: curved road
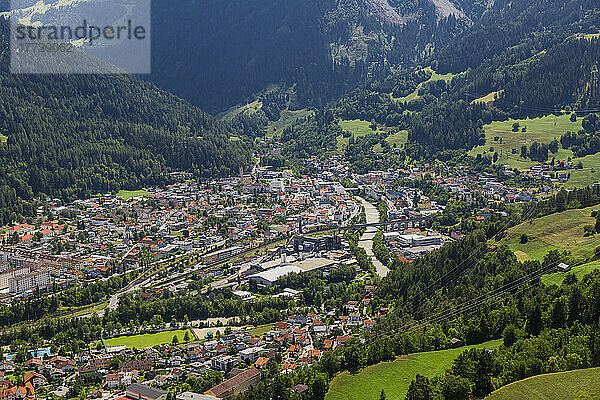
366	240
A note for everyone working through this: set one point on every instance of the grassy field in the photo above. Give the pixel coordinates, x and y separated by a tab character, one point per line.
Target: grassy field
288	117
149	339
394	377
434	77
398	139
3	139
128	194
586	176
580	271
259	331
563	231
571	385
247	109
357	127
541	130
489	98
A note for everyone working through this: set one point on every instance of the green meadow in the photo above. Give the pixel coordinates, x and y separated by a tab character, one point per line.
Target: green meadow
397	139
288	118
583	384
562	231
358	128
434	77
394	377
259	331
580	271
586	176
503	140
149	339
128	194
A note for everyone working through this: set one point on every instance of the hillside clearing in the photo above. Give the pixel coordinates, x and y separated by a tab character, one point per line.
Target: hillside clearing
489	98
394	377
586	176
570	385
434	77
541	130
247	109
358	128
397	139
580	271
287	118
562	231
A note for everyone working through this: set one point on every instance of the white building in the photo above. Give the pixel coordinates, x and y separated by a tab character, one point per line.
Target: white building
276	185
414	240
269	277
195	396
222	362
32	280
6	275
251	353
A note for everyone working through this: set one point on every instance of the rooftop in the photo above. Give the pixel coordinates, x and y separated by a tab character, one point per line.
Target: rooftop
145	390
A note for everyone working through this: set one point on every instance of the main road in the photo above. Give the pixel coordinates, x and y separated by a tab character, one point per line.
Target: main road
366	240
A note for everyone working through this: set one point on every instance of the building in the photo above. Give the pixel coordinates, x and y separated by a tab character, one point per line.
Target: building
321	243
564	267
138	391
276	185
221	254
236	385
268	278
137	365
414	240
113	381
251	353
9	273
222	362
35	378
195	396
30	281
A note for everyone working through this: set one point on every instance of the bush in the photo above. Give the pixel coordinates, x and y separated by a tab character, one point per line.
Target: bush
524	239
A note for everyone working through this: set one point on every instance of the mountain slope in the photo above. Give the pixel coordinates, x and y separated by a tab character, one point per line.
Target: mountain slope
218	53
71	136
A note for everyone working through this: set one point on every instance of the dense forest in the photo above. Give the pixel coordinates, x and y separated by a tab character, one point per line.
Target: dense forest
74	136
220	53
522	25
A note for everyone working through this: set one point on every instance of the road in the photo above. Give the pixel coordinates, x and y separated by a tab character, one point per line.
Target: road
366	240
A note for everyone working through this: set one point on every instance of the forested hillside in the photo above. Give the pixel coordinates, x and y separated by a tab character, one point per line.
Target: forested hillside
523	25
515	65
72	136
219	53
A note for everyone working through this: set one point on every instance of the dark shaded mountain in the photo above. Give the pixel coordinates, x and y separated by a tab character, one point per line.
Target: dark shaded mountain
217	53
